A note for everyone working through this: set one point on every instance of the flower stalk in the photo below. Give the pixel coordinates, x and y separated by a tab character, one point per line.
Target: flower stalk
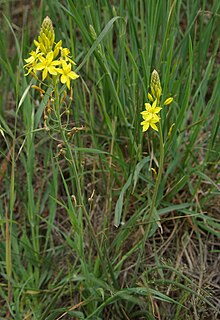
151	119
157	184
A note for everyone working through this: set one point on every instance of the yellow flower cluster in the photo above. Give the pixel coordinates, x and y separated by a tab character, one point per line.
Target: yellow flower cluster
150	114
50	58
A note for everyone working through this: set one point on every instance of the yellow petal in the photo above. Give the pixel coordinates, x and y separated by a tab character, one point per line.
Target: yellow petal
58	45
64	65
29	60
52	70
70	60
39	66
145	126
68	83
147	117
42	59
147	106
49	57
155	119
154	104
145	112
59	70
44	74
156	110
55	63
153	125
73	75
64	78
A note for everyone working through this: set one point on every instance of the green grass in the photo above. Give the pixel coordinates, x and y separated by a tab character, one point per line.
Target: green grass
61	256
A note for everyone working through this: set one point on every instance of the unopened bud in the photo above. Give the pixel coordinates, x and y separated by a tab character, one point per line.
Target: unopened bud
47	36
47	27
150	97
155	85
168	101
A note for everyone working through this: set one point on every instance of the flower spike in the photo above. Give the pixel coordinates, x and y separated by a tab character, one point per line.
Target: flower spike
155	85
49	58
152	109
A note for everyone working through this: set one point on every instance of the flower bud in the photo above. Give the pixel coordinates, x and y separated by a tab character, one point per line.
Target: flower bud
168	101
150	97
47	35
47	27
155	85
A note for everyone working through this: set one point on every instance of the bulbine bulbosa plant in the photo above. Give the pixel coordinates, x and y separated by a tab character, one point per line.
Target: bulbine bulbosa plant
52	67
152	119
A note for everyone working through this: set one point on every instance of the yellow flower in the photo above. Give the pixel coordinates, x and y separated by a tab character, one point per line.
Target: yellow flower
33	57
150	116
66	73
57	48
49	54
47	65
65	55
32	60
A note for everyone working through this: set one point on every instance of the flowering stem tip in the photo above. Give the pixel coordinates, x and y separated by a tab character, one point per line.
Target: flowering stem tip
50	59
151	113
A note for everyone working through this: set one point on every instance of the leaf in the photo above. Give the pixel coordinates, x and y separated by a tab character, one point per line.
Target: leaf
172	208
24	95
119	204
154	223
204	176
138	169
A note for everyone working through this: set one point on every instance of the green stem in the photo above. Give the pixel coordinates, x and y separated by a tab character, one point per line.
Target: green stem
71	160
158	180
153	203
